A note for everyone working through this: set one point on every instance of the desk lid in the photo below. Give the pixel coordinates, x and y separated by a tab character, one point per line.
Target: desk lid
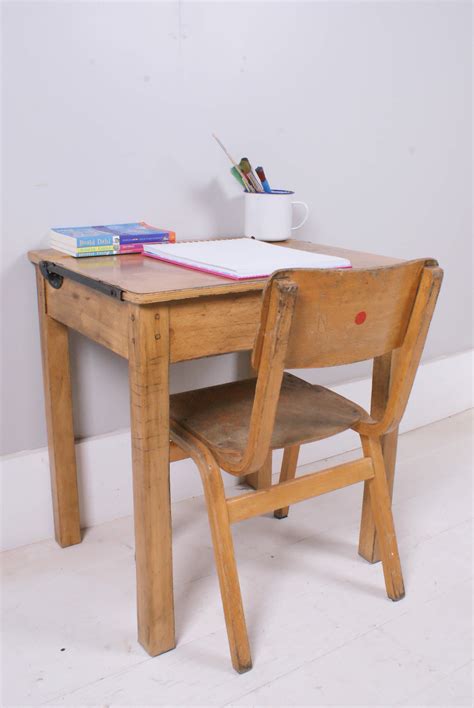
144	280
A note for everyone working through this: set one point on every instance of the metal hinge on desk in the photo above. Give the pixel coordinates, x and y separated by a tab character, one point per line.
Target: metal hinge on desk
55	275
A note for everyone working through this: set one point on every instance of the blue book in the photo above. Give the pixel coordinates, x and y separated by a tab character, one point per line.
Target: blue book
139	232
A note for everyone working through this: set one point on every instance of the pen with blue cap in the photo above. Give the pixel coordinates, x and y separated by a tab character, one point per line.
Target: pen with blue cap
263	180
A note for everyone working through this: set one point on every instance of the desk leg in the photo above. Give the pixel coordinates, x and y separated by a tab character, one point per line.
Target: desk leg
59	422
381	377
149	400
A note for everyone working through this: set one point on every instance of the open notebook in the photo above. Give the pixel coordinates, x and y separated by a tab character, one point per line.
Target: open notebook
240	258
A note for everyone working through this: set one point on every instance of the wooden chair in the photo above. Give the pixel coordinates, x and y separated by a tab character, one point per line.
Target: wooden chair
309	318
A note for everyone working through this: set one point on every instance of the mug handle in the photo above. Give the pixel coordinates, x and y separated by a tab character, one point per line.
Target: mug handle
305	217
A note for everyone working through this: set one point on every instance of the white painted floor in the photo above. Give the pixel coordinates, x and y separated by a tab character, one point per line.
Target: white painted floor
322	631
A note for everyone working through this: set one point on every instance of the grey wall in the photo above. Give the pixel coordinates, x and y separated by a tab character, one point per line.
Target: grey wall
362	107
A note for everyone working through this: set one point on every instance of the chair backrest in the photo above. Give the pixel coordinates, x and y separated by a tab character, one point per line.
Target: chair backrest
317	318
343	316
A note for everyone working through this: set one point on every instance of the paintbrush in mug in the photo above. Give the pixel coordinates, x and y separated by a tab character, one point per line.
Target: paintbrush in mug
248	185
246	168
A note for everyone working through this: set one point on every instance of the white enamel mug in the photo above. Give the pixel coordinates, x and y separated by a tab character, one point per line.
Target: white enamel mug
268	216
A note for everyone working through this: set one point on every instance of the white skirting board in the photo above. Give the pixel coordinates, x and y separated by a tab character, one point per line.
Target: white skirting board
443	387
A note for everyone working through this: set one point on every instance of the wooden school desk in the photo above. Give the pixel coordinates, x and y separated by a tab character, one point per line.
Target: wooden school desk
153	314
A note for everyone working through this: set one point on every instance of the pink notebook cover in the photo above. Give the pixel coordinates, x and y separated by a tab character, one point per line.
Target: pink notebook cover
202	269
207	270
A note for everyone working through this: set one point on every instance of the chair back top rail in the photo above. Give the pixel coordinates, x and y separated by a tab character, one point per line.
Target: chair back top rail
344	316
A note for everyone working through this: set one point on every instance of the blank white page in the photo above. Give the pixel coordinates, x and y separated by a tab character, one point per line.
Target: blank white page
240	257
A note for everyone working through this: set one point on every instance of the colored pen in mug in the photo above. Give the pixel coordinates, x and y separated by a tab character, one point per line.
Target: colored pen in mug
263	179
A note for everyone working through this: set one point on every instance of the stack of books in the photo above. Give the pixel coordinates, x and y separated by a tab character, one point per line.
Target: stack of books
111	240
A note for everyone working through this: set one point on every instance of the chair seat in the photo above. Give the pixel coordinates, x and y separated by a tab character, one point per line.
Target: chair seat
220	415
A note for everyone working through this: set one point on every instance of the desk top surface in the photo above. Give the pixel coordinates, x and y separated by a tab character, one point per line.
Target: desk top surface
146	280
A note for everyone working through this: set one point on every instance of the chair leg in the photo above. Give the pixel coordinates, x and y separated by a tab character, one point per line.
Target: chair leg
225	563
368	543
288	471
263	478
381	509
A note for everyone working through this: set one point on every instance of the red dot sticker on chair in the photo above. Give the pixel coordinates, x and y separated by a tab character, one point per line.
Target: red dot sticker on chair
360	317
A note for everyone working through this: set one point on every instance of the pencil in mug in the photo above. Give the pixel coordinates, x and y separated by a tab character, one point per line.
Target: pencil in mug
248	185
